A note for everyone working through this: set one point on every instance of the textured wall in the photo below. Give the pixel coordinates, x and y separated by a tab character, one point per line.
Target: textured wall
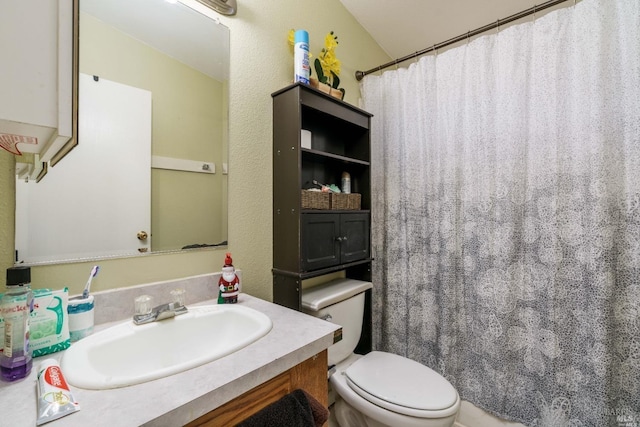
7	212
261	63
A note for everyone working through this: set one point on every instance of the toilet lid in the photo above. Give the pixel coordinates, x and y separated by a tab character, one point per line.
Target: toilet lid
401	381
326	294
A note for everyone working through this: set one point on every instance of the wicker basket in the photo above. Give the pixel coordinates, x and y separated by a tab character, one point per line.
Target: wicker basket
342	201
354	201
315	200
338	201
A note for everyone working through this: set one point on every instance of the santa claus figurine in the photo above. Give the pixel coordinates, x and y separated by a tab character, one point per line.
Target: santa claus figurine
229	284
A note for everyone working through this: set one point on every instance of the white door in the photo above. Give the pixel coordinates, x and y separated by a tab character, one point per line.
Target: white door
100	194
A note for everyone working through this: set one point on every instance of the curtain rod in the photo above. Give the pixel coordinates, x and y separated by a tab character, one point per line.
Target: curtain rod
469	34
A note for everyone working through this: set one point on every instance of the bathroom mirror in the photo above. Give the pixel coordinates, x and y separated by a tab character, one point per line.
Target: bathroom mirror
149	173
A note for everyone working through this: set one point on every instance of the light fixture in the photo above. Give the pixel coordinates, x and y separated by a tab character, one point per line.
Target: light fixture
225	7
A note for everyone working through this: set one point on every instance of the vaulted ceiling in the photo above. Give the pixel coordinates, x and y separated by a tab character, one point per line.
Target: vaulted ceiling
403	27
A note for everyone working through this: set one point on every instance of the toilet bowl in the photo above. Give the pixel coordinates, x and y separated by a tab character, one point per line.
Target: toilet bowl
377	389
390	390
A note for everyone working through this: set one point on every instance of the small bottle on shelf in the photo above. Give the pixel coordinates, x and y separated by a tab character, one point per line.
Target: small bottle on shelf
301	57
346	183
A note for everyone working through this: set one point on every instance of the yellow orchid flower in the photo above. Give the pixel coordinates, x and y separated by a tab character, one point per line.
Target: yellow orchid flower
330	41
291	37
330	64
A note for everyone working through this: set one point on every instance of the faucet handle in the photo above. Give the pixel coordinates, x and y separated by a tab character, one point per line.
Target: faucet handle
143	304
178	296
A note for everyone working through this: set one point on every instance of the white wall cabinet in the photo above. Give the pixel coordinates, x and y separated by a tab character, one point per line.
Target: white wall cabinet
36	44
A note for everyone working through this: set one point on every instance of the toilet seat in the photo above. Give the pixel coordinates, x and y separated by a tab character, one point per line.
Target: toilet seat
401	385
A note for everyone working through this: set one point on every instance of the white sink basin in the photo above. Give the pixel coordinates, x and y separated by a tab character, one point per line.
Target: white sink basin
128	354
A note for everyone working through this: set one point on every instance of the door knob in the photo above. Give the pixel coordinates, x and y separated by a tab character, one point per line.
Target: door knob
142	235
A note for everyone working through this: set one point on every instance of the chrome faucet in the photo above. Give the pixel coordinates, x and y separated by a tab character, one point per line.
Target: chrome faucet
145	314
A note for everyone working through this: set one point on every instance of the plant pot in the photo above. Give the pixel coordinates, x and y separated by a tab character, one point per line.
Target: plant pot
323	87
336	93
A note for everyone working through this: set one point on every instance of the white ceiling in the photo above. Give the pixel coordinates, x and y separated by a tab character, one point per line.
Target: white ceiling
403	27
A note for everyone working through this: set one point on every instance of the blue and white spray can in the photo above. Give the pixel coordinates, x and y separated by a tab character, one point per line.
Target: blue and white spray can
301	57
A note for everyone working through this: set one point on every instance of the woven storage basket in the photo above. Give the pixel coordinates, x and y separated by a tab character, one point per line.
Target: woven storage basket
339	201
315	200
354	201
342	201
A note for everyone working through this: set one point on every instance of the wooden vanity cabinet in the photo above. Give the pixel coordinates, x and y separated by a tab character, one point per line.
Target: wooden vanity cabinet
310	376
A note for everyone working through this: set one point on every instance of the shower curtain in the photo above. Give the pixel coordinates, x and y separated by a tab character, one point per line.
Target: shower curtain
506	216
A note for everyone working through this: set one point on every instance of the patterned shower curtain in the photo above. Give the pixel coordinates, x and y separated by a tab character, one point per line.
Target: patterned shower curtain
506	216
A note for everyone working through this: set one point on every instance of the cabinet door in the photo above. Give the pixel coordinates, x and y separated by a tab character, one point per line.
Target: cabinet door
319	246
309	376
354	237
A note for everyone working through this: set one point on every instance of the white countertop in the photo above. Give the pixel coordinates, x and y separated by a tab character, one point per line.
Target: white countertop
181	398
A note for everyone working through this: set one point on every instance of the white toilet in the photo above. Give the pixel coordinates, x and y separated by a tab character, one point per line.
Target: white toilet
377	389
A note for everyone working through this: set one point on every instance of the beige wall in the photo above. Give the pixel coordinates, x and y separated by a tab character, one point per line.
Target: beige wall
7	213
261	63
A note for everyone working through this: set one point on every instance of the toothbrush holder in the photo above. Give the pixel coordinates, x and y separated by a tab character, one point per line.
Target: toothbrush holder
81	315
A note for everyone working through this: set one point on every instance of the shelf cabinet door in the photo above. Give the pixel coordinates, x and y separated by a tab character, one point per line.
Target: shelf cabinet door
354	231
320	247
330	239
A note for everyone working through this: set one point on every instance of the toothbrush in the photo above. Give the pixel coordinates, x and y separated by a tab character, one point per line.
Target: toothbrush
94	272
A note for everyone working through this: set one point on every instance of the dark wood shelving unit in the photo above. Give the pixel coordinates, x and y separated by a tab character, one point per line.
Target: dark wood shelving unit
309	243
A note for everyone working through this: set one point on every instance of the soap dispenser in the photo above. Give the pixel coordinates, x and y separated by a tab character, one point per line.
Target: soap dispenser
229	283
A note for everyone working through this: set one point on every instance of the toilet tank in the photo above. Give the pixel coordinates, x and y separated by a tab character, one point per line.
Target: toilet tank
343	301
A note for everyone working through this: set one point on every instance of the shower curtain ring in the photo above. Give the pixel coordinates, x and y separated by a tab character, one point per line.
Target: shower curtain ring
534	12
497	26
468	33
